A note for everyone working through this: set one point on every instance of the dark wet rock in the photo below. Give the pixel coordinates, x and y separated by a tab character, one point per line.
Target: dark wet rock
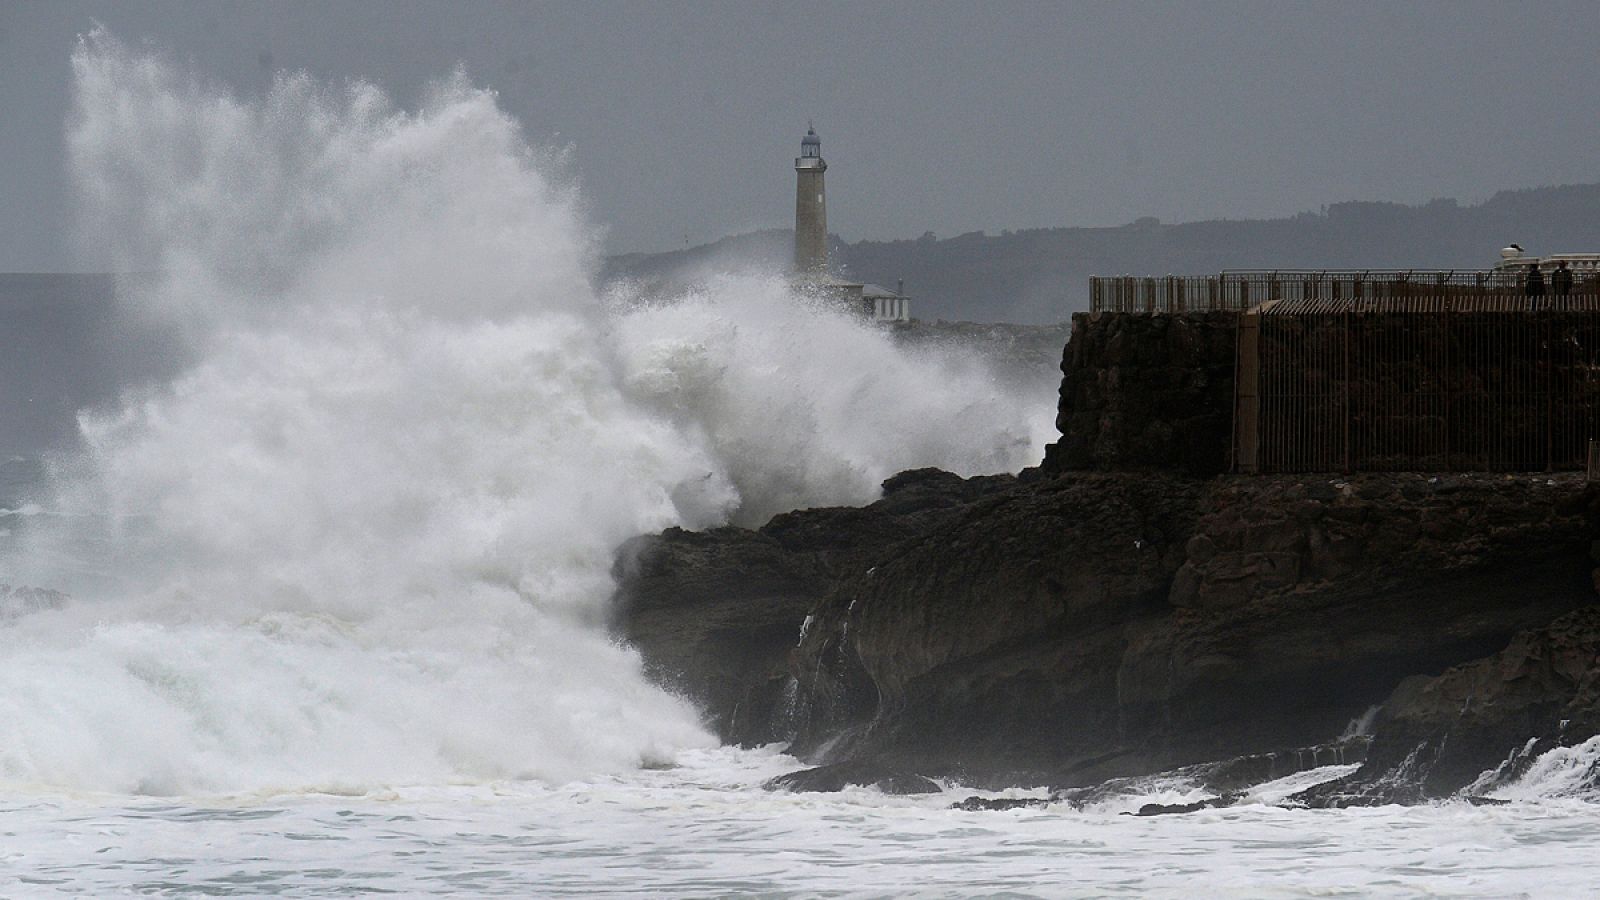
1483	723
1092	626
1300	618
1167	809
861	773
717	613
1095	625
991	643
1001	804
1228	777
906	783
1234	775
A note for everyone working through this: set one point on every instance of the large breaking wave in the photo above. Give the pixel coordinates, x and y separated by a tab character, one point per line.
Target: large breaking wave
366	537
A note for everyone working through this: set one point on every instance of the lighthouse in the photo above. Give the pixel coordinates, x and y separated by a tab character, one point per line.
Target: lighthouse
810	209
811	272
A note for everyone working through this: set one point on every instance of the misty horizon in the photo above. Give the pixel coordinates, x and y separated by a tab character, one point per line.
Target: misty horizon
1322	211
679	122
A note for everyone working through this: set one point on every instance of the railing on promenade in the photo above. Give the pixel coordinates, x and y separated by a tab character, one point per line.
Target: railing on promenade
1464	379
1166	294
1240	290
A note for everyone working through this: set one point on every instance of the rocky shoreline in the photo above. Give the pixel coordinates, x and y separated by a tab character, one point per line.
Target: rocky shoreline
1112	615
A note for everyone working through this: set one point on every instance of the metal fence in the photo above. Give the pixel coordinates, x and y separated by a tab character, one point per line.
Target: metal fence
1168	294
1240	290
1478	380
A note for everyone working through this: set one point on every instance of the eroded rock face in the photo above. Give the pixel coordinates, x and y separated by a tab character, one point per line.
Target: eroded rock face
1072	629
1439	736
1301	599
991	643
855	773
716	614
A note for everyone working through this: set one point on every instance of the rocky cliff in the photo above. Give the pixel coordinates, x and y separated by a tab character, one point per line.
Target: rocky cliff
719	613
1480	725
1114	614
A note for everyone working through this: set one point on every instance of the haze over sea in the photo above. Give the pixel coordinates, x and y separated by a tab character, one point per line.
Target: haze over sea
338	590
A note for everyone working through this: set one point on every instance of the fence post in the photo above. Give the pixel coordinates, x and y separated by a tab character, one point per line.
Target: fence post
1549	399
1246	394
1348	376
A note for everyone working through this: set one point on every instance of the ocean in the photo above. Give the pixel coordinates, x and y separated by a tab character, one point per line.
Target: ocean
704	827
331	580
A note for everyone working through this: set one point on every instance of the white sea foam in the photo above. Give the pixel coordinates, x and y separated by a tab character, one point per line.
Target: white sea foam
366	537
1559	773
705	828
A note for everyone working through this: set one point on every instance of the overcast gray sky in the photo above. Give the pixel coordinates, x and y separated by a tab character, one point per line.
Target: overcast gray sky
950	117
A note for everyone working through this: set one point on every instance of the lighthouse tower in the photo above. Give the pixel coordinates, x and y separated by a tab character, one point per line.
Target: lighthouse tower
810	209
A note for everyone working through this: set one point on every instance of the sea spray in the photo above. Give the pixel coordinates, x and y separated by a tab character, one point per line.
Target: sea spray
366	537
803	406
1557	773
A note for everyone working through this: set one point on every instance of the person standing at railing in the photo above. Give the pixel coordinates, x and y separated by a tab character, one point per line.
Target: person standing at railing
1533	285
1561	280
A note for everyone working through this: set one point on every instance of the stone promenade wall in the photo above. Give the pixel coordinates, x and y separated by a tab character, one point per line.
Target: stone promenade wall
1146	392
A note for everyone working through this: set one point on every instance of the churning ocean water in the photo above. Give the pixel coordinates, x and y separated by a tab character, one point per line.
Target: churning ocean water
337	592
705	828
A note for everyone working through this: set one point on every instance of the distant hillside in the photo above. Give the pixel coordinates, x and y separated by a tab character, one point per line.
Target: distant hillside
1042	274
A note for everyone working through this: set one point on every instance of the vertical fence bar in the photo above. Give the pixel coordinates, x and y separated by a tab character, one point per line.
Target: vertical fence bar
1548	356
1344	384
1247	394
1452	384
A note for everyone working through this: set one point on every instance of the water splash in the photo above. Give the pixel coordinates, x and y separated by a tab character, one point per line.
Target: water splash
1362	725
1560	772
366	537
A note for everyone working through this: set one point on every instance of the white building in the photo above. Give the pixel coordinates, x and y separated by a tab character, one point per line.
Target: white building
1513	257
